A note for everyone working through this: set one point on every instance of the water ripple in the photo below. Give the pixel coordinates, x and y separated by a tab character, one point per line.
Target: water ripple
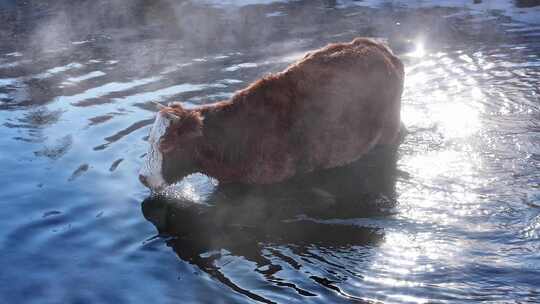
453	217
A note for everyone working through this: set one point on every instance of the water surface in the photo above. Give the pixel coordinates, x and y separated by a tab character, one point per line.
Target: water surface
452	217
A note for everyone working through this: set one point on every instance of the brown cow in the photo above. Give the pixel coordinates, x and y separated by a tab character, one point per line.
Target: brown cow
327	110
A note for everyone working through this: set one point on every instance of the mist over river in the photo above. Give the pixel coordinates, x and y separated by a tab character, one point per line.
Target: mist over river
452	216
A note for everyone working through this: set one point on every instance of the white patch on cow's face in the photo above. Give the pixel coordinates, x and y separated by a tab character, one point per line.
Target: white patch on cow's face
152	167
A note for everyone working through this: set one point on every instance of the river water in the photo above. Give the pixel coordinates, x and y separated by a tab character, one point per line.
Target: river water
452	217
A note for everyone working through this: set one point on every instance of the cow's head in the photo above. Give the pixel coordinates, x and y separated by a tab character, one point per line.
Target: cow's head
173	140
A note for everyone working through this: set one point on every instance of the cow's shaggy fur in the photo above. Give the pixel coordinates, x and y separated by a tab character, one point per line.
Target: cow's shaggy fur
327	110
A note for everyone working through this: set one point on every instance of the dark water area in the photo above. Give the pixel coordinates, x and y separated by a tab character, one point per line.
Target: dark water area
452	216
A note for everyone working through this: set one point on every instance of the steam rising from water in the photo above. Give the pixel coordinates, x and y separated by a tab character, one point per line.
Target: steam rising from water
195	188
76	87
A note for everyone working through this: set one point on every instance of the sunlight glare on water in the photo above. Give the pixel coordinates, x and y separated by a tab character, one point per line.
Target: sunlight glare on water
452	217
419	50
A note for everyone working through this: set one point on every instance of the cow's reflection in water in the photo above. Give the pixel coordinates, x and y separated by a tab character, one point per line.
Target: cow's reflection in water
249	222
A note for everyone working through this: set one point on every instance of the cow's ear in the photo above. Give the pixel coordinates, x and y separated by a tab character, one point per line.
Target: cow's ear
191	125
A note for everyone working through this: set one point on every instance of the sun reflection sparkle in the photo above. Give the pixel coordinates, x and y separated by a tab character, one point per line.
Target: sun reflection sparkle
419	51
456	119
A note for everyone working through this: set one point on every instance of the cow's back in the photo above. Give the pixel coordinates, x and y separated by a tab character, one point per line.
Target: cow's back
351	102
